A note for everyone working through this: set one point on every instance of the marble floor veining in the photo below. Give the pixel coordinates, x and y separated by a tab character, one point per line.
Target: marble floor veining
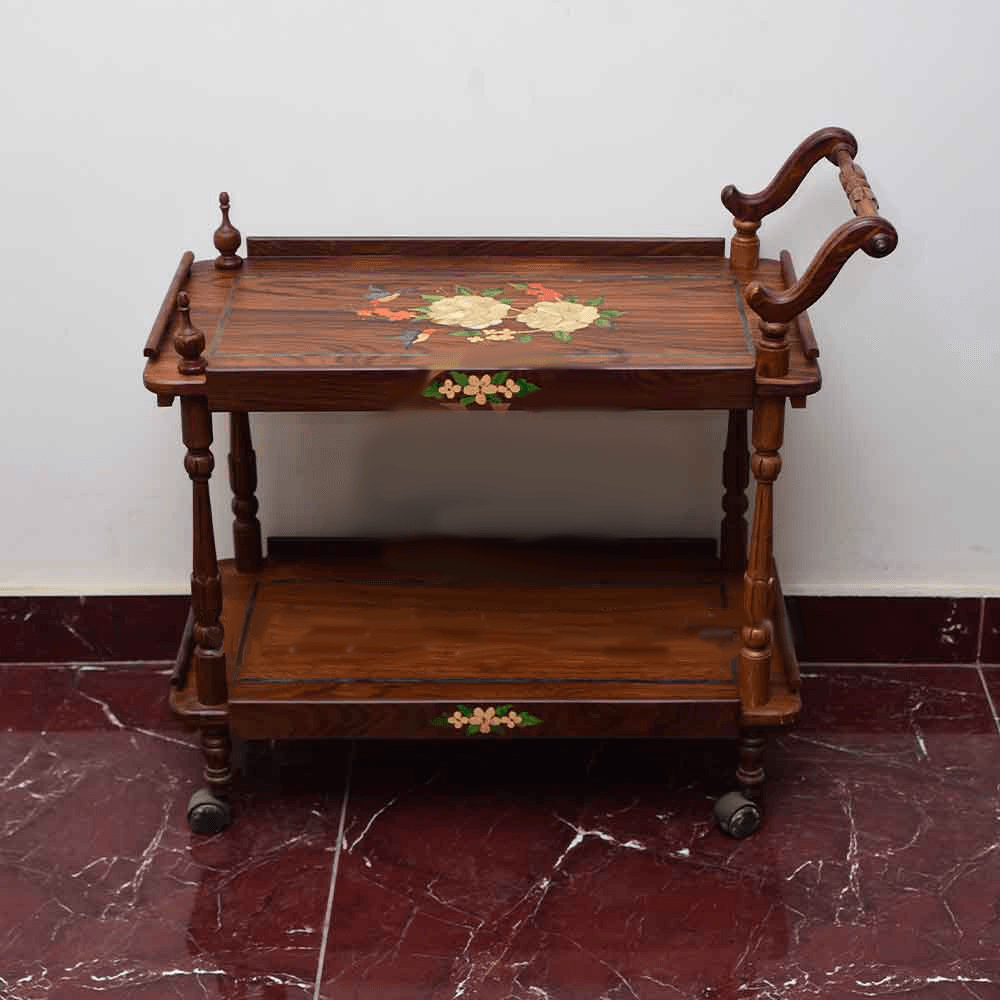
502	870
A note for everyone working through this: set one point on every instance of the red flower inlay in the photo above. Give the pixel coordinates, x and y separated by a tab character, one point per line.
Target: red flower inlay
390	314
542	293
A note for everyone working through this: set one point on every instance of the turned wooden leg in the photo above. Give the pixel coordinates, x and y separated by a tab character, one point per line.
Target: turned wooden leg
737	813
217	751
207	812
243	480
206	588
750	770
735	479
758	581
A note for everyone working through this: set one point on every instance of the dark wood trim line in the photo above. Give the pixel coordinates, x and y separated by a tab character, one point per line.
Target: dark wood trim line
419	246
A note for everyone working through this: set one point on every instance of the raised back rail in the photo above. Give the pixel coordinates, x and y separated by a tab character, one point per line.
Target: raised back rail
869	231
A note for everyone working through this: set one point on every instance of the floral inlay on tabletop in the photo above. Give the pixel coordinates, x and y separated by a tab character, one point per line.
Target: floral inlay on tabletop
496	389
483	316
486	720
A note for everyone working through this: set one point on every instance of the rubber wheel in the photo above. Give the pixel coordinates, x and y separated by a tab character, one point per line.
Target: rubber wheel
736	815
207	814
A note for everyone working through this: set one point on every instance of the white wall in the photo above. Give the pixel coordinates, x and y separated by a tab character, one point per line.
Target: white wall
122	121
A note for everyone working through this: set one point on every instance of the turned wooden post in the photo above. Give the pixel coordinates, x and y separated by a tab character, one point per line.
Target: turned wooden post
750	770
206	592
744	247
243	480
735	479
772	351
206	588
216	750
758	581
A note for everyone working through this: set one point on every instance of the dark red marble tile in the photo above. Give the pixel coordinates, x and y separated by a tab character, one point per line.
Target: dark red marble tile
885	629
105	889
133	696
183	984
564	870
876	866
63	698
504	871
896	699
29	695
416	875
990	650
91	629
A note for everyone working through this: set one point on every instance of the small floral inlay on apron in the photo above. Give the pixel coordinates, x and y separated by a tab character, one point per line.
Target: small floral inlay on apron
486	720
498	388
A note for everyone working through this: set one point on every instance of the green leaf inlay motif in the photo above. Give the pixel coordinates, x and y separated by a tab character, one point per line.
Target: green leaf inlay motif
472	720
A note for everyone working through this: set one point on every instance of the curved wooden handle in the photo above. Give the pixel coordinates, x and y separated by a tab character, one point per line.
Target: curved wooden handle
827	142
873	234
869	231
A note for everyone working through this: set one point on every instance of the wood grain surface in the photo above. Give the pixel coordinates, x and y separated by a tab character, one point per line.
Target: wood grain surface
359	331
439	621
298	315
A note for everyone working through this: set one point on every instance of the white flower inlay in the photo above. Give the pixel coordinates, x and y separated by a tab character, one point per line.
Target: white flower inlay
558	316
474	312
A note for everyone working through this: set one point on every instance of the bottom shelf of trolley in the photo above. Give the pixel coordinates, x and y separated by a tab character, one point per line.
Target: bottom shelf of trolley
447	638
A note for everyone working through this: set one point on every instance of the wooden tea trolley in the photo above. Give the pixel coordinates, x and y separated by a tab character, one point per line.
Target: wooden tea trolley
441	638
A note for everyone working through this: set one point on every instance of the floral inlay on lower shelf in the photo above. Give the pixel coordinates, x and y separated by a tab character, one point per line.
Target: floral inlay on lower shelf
483	316
486	720
496	389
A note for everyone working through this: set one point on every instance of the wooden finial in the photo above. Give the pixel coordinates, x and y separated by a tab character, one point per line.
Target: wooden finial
227	239
189	341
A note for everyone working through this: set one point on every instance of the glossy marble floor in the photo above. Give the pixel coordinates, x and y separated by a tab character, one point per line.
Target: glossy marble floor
502	870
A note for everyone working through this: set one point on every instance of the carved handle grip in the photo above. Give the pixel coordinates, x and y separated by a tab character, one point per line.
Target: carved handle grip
860	197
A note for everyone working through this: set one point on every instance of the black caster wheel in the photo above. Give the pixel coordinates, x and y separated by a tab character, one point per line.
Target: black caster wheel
206	813
737	815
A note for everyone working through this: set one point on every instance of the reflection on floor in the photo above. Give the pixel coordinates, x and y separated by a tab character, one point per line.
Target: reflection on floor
502	870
